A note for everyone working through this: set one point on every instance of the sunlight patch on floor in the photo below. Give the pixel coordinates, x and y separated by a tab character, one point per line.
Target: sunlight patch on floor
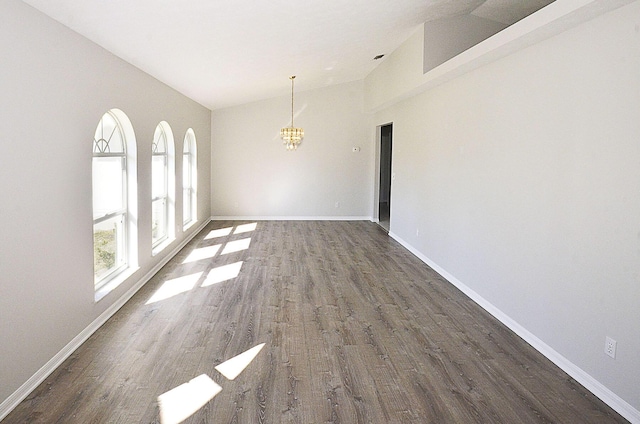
222	273
231	368
174	287
236	246
220	232
181	402
207	252
245	228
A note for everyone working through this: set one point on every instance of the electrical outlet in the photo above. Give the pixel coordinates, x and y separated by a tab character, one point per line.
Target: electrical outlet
610	347
337	205
417	232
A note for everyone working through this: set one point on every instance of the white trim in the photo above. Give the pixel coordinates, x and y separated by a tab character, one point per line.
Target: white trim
582	377
112	284
36	379
291	218
190	224
161	246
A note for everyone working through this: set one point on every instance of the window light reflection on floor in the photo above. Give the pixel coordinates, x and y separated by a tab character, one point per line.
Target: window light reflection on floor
220	232
231	368
236	246
181	402
175	286
245	228
202	253
222	273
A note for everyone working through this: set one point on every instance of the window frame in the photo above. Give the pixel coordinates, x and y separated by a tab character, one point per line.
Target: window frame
169	184
190	183
160	135
126	245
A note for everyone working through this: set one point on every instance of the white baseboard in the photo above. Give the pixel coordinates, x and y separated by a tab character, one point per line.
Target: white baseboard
290	218
590	383
36	379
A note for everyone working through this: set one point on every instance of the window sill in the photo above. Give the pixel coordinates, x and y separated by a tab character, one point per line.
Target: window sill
114	282
189	224
159	248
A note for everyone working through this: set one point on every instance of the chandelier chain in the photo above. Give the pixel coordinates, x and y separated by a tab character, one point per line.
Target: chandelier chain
292	77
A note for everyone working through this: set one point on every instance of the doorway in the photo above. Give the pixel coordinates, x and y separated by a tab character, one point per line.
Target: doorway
384	192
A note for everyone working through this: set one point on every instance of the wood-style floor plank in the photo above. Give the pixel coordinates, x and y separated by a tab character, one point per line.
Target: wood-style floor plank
355	330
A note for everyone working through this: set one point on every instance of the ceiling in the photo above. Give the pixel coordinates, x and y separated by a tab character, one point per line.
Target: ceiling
223	53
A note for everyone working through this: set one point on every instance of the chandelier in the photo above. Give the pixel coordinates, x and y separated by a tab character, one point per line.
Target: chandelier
291	136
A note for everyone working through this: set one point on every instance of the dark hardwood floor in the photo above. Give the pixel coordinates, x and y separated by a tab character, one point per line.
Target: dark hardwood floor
355	330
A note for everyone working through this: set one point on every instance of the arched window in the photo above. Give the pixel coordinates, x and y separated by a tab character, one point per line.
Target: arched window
189	180
114	197
162	187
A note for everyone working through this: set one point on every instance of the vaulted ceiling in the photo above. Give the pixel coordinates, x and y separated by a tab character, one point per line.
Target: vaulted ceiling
223	53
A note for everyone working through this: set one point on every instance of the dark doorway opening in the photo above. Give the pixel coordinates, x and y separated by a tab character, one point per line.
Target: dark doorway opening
384	195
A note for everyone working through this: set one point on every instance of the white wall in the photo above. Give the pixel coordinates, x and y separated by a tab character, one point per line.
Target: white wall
447	37
399	72
55	85
523	179
253	175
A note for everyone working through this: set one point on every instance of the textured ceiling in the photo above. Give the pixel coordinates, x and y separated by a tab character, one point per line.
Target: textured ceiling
223	53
